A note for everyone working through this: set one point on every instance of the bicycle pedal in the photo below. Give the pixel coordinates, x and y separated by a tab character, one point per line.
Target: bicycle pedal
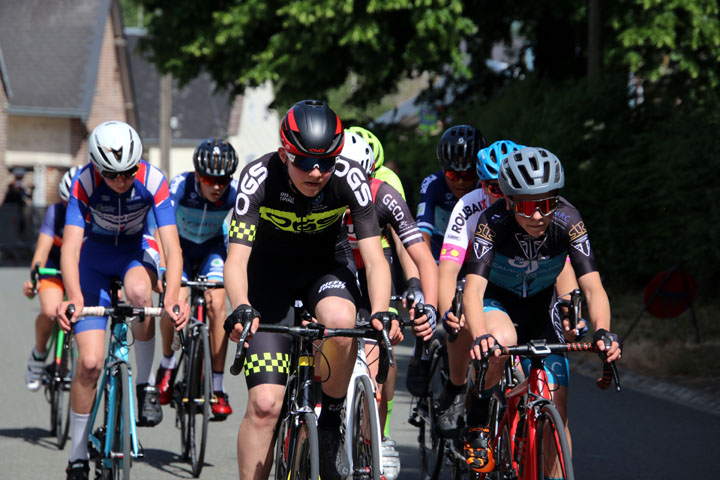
414	420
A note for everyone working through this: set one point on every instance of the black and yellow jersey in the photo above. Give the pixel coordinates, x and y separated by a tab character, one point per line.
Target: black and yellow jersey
275	219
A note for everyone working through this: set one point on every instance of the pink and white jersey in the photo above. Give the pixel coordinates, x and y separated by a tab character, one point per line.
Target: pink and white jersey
461	225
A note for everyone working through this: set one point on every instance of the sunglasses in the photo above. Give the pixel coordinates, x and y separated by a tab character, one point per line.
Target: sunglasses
126	174
526	208
493	189
308	164
463	176
212	181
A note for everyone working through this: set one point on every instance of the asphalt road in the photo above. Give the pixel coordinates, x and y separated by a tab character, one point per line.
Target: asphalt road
630	435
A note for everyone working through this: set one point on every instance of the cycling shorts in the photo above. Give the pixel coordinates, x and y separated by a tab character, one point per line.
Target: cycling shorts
100	262
49	282
208	260
534	319
273	288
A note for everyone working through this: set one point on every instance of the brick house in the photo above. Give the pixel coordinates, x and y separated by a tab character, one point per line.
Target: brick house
64	70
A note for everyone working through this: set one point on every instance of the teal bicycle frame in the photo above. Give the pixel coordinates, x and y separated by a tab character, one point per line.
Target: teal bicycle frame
116	441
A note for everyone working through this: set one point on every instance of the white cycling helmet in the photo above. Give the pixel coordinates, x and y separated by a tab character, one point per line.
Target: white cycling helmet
114	147
530	171
356	149
66	183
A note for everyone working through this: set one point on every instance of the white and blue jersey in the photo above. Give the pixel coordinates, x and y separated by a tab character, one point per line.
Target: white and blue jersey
433	213
201	225
116	229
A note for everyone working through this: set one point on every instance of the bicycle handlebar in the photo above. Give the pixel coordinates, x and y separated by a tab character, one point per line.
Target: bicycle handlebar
36	271
317	331
119	311
574	306
458	303
541	349
202	284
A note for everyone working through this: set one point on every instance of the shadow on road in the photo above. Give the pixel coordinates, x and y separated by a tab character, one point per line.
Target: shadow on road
168	462
31	435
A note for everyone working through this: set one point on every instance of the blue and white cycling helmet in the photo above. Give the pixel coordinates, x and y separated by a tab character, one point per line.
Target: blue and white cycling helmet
530	171
490	158
66	183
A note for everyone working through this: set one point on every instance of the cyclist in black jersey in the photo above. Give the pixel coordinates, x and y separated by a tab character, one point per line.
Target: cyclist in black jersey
519	248
282	236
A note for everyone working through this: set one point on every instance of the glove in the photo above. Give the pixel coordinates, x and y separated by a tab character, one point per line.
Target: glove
413	294
607	337
237	317
431	315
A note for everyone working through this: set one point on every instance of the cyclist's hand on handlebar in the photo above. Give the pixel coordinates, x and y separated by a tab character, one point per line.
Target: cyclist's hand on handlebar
413	294
234	323
482	347
178	311
575	334
28	289
424	325
395	333
451	323
610	343
61	314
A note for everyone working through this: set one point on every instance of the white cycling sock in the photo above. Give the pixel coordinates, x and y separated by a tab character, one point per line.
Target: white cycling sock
168	362
144	356
79	430
218	382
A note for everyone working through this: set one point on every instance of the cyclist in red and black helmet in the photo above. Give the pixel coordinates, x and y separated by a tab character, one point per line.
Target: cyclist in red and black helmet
287	218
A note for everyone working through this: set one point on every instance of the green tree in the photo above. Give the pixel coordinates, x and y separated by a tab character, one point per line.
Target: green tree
307	47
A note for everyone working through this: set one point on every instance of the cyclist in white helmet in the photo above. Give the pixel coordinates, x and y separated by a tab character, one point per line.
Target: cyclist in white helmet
107	215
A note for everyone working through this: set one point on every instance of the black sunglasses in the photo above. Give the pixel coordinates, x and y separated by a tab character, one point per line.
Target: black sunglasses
113	175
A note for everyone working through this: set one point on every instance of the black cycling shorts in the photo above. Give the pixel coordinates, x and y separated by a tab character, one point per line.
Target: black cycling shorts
273	288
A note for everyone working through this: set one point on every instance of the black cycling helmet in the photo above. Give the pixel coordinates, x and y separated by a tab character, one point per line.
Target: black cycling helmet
310	128
458	148
215	157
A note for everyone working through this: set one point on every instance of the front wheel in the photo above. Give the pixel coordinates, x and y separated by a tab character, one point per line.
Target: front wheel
119	417
197	399
307	455
60	385
432	445
553	450
365	431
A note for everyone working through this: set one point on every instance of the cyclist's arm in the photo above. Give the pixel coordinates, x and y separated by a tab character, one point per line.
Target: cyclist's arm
423	259
447	272
473	308
69	265
406	262
598	307
42	250
173	275
235	274
377	271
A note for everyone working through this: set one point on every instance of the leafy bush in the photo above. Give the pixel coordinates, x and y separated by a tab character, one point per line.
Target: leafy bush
644	179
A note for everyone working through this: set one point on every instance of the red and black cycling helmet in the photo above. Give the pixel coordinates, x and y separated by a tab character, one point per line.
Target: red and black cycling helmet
458	148
311	129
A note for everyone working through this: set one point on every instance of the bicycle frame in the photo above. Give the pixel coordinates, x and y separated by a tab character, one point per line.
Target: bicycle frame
520	403
361	369
118	352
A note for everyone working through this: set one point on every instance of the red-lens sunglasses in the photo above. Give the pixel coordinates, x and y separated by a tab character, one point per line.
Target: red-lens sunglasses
463	176
526	208
493	189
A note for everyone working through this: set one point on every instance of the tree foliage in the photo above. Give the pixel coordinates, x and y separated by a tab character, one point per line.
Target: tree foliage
307	47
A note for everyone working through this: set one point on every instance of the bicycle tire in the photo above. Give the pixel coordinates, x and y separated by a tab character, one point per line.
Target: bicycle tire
431	444
199	395
61	386
120	456
504	469
553	454
306	459
49	382
365	437
282	436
